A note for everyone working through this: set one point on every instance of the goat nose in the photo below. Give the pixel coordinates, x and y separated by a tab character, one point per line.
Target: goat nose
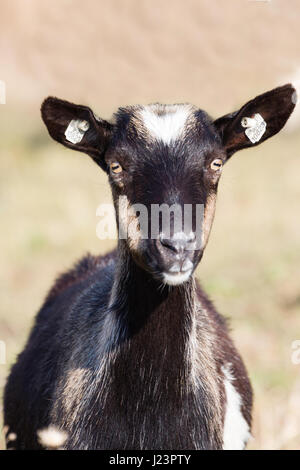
178	243
173	245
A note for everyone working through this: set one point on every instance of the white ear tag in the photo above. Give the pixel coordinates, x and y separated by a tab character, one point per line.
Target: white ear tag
255	127
76	130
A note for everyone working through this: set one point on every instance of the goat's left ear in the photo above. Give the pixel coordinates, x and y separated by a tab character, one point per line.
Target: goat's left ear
257	120
77	127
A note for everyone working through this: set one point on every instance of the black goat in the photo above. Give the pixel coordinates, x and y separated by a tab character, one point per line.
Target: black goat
127	351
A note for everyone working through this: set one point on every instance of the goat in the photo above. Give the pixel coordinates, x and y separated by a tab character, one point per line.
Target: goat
127	351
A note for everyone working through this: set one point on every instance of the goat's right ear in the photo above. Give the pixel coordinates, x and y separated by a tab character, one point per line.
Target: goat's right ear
77	127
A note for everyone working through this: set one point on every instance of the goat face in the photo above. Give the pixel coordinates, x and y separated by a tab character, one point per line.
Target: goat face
164	163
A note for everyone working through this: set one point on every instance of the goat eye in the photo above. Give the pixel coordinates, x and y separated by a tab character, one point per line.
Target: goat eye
116	167
216	164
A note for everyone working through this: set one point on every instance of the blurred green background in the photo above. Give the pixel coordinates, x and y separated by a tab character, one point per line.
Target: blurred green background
212	53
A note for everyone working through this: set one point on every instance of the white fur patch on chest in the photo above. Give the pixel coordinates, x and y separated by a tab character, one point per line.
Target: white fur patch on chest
236	429
165	122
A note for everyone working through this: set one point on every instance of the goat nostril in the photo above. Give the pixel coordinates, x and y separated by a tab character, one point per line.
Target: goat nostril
178	243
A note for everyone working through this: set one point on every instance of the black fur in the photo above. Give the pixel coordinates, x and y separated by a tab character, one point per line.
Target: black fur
111	359
145	396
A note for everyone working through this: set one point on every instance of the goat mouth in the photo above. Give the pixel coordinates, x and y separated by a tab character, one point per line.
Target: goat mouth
175	279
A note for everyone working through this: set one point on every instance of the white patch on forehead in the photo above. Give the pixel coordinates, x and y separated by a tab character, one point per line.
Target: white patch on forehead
236	429
166	122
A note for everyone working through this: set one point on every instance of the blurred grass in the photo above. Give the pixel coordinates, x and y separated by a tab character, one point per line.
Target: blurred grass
251	268
112	53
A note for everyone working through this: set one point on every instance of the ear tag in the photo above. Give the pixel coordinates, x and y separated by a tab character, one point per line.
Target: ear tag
76	130
255	127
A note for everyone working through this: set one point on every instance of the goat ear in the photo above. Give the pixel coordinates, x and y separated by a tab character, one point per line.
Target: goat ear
257	120
77	127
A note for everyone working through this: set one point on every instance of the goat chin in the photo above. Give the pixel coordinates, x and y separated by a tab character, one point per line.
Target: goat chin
175	279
